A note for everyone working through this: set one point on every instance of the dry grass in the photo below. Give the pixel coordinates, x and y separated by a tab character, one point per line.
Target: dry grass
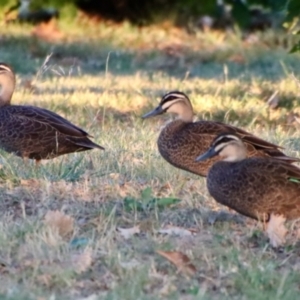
58	224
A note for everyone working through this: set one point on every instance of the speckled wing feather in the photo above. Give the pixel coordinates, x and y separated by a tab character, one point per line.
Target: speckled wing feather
44	116
257	187
282	170
243	134
255	145
180	143
281	194
40	134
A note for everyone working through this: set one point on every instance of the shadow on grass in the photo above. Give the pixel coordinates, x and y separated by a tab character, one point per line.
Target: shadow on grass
26	54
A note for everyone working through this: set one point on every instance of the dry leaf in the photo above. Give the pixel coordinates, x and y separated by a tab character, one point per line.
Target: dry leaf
127	233
180	260
276	230
82	261
30	183
174	230
64	224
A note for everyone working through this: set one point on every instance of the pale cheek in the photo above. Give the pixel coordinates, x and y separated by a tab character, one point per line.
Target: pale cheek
225	157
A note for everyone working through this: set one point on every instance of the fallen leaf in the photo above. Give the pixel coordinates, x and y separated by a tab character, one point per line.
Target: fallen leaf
180	260
174	230
30	182
127	233
82	261
64	224
276	230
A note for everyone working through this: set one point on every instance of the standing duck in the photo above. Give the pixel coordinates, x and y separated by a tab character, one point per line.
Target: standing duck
261	188
181	140
33	132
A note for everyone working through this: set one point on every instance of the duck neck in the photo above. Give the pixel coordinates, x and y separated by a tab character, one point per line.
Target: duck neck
183	112
234	152
183	109
186	116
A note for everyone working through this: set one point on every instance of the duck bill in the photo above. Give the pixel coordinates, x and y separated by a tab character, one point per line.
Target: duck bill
208	154
155	112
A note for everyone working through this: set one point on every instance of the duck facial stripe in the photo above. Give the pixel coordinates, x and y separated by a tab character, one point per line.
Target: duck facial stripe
226	138
165	106
172	96
221	142
4	68
220	147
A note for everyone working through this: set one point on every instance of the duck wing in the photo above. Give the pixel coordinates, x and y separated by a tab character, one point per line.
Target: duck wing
254	144
248	137
36	115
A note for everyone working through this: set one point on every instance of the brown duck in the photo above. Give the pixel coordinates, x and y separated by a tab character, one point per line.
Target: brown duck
181	140
33	132
258	187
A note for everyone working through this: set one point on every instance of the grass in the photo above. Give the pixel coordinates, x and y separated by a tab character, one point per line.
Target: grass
103	78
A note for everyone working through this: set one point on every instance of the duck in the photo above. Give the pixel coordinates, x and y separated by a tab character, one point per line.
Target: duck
26	14
34	132
181	140
261	188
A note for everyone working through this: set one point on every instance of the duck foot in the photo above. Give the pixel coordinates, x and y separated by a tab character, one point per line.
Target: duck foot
276	230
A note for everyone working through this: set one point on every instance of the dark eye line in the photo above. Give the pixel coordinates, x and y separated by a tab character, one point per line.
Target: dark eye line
225	139
171	98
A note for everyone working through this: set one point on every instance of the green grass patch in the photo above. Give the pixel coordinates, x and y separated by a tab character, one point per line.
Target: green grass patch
104	78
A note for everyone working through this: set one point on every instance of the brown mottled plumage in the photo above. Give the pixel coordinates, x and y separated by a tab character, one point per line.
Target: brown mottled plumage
34	132
255	187
181	140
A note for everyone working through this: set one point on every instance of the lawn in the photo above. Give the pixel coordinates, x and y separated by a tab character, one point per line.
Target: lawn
91	225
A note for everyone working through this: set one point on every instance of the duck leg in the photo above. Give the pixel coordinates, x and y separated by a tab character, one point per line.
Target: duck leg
37	163
276	230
